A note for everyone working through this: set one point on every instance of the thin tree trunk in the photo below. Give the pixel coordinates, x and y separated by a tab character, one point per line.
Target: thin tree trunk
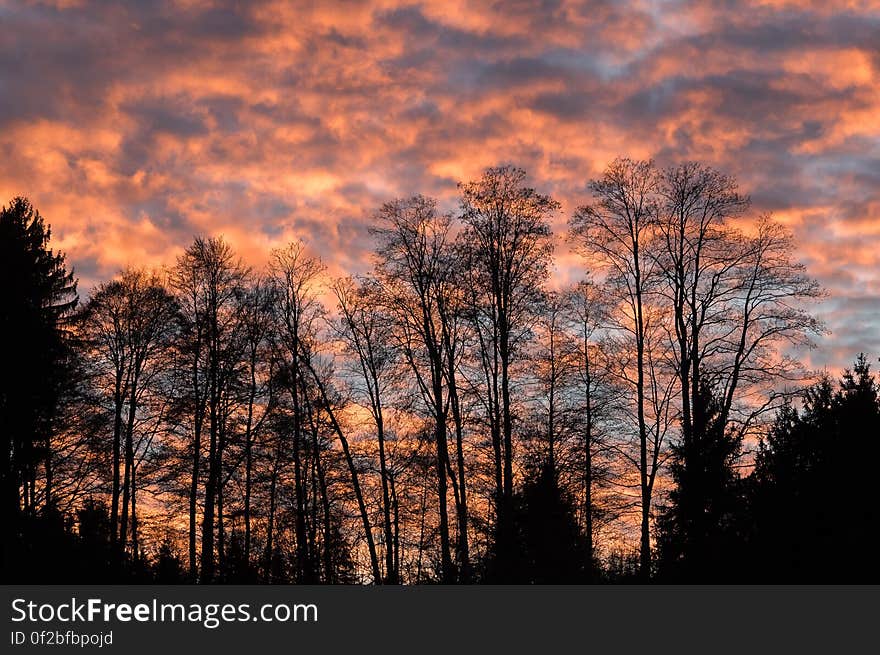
396	509
462	506
330	576
198	423
645	531
302	552
207	573
463	542
391	575
118	402
368	533
248	453
270	519
422	514
129	453
588	453
135	544
221	447
507	424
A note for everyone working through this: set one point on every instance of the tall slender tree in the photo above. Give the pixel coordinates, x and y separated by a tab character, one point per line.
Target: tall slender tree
617	230
597	406
127	326
296	275
208	279
256	316
507	245
412	268
366	331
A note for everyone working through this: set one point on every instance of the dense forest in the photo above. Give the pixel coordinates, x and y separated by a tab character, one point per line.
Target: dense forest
453	415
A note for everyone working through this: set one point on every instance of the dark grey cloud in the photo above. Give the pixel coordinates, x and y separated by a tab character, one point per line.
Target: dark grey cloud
158	120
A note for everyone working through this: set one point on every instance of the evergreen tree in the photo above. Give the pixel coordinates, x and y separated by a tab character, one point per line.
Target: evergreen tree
539	542
813	487
39	293
168	567
698	527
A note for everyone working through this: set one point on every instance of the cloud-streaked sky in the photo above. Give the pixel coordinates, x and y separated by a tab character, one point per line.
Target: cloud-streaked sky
134	125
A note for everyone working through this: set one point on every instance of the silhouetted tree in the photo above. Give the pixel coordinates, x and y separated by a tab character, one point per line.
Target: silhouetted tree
453	420
127	327
506	248
168	567
413	271
297	311
208	280
545	544
553	370
700	528
811	499
617	230
699	257
39	296
596	407
366	331
329	402
256	317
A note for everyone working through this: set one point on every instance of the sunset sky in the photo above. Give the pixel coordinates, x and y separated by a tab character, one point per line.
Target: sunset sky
133	126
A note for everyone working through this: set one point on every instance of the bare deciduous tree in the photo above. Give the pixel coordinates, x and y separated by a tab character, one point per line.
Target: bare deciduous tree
127	326
413	271
366	331
507	247
208	279
616	231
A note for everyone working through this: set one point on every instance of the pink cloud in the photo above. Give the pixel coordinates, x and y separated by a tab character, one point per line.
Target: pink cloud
135	127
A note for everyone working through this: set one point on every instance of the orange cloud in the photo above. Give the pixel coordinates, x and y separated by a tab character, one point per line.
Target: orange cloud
133	127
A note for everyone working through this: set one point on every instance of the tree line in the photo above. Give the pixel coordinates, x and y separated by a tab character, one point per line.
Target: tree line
450	416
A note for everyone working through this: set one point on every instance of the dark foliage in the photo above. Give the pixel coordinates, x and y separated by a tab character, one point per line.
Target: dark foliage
168	567
57	550
39	293
538	541
700	527
813	496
